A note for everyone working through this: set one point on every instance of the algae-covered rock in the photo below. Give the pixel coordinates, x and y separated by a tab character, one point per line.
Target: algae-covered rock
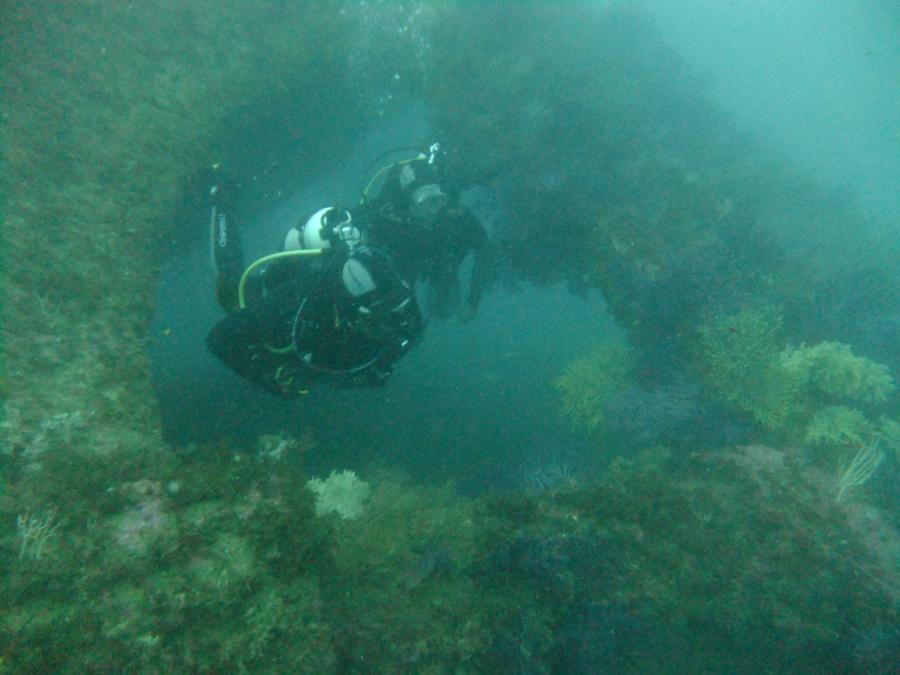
693	555
227	565
127	612
146	525
662	550
399	593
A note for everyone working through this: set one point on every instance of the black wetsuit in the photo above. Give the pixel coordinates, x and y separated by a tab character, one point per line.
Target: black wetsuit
431	252
313	327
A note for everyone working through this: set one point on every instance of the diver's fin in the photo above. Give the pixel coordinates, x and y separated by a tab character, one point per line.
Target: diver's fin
225	252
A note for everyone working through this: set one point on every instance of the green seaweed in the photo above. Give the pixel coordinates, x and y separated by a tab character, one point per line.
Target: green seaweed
839	426
589	382
833	371
740	361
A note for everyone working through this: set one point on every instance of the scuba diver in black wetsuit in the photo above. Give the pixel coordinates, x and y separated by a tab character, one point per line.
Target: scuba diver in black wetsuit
330	307
418	217
338	302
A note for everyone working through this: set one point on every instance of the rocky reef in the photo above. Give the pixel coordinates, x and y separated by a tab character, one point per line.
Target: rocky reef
756	362
219	559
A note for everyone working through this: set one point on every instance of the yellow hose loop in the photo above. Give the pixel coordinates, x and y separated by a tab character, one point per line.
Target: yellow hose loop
265	260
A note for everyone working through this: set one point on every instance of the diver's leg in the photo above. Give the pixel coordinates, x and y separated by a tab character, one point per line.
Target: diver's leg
444	291
256	343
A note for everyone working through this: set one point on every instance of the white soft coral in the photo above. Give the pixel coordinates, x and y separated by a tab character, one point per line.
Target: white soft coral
342	493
